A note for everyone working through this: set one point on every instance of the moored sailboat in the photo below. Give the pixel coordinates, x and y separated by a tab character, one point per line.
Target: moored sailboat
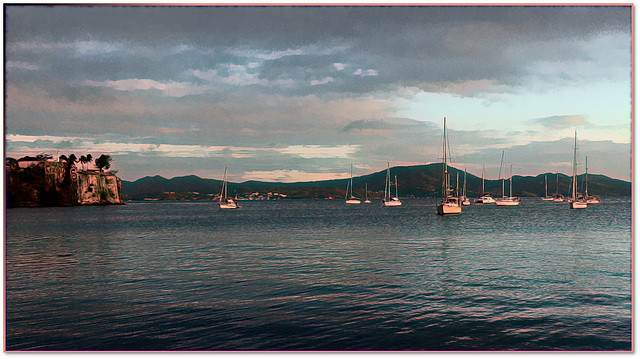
366	194
504	200
226	202
591	199
576	201
463	199
546	195
557	197
484	197
388	200
449	204
350	199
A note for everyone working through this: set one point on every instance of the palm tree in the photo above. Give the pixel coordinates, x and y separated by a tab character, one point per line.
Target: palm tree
89	159
103	162
83	160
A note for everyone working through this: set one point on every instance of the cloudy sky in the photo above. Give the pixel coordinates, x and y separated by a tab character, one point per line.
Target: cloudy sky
300	93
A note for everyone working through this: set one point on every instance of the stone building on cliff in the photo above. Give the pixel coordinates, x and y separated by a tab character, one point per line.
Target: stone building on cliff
58	183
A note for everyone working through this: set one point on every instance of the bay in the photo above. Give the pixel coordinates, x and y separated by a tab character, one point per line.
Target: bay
319	275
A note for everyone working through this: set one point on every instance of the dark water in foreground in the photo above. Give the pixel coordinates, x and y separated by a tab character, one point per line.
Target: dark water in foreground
319	275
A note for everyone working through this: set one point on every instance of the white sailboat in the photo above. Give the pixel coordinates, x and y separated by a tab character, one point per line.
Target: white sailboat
484	197
366	194
546	196
504	200
449	204
225	201
576	201
464	200
591	199
350	199
389	201
557	197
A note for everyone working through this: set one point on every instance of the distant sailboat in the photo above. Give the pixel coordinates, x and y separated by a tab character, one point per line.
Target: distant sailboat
225	201
389	201
449	204
349	195
576	201
590	199
484	197
511	200
557	197
546	196
366	194
464	200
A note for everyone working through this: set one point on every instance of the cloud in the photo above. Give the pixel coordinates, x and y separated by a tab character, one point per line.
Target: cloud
324	81
289	176
339	66
318	151
20	65
174	89
365	73
562	122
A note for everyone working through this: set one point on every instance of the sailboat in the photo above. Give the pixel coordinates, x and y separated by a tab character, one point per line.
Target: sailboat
546	196
485	197
590	199
449	204
366	194
576	201
349	195
557	197
389	201
511	200
463	199
225	201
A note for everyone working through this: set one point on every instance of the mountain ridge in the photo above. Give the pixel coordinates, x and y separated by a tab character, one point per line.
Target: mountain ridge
413	181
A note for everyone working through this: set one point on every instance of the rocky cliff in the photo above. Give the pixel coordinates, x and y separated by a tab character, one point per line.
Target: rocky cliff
52	183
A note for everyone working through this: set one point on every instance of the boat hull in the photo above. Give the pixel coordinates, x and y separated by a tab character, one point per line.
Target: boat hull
352	201
577	205
445	210
484	200
507	202
547	198
391	203
228	205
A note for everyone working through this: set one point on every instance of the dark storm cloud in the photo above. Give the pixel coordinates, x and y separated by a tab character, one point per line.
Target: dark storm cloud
408	45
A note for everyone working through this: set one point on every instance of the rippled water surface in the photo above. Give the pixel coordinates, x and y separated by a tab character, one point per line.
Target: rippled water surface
319	275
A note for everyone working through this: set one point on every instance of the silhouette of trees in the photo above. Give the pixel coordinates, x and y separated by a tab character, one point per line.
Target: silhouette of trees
103	162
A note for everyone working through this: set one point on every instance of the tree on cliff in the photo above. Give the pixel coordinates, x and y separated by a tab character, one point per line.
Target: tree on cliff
103	162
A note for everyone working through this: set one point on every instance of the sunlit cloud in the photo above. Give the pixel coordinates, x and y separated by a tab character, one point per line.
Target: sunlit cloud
289	176
562	122
324	81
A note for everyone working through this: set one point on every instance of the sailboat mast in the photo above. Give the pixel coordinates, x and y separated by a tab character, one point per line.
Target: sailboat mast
464	183
482	193
396	180
445	180
510	181
586	170
223	190
501	165
387	186
545	186
575	165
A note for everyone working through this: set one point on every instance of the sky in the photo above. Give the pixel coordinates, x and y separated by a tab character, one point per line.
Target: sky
300	93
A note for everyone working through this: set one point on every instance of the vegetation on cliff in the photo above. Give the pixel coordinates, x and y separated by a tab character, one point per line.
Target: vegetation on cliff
40	181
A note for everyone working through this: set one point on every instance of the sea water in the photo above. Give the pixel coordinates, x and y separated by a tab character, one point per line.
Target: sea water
319	275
